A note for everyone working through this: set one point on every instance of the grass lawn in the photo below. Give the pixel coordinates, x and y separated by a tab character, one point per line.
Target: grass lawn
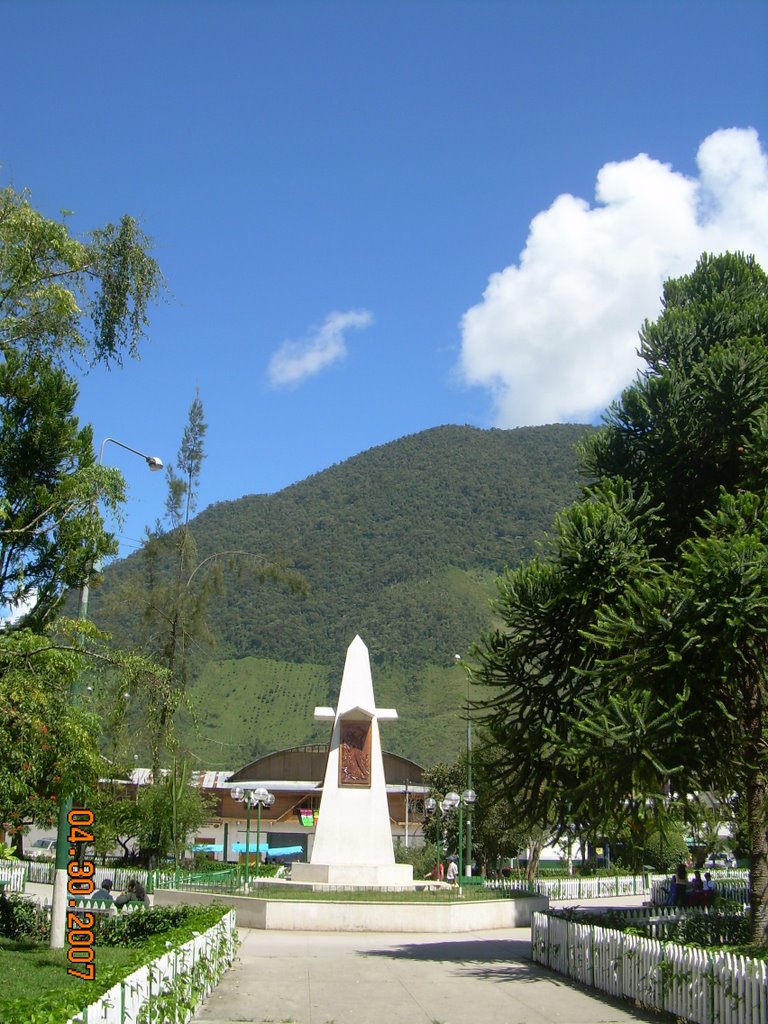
32	969
471	894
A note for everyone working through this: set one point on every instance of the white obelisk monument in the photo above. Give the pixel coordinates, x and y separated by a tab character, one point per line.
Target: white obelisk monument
353	837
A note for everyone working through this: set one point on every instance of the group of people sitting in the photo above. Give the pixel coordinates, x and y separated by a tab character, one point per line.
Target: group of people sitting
693	892
134	893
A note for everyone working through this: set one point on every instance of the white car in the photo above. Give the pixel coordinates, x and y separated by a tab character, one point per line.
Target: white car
41	848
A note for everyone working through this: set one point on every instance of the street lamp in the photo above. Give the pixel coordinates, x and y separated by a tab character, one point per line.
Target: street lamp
447	804
458	660
258	798
59	897
155	464
468	798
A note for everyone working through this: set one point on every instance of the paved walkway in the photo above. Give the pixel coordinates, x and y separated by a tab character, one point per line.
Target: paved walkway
376	978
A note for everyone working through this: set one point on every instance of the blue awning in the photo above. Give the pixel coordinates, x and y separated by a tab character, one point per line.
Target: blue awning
208	848
271	851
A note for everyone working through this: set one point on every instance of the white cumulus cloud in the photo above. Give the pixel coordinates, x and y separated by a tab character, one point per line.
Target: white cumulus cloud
294	361
555	335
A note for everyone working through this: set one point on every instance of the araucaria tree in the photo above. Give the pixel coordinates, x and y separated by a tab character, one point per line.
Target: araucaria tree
633	662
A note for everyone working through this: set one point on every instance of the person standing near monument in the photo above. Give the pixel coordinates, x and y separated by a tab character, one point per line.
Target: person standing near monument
453	871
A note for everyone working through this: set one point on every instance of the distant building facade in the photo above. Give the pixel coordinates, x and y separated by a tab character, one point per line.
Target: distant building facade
295	777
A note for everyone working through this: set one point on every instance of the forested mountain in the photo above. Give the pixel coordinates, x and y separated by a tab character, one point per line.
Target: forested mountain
400	544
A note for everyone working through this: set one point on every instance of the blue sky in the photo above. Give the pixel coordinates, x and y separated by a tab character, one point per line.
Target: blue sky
379	217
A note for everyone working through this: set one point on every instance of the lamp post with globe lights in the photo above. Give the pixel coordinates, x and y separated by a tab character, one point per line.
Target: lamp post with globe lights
447	804
63	849
468	799
465	798
258	797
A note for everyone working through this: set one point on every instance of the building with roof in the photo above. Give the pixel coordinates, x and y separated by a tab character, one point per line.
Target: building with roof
287	827
295	777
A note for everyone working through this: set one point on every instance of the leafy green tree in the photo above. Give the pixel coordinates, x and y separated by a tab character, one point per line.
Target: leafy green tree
116	818
50	743
663	634
49	746
167	812
156	823
663	849
498	831
62	300
442	828
49	536
64	297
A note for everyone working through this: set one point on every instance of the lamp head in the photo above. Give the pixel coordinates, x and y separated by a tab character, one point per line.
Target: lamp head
154	463
238	793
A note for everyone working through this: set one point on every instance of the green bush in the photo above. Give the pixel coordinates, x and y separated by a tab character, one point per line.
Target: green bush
421	857
718	928
134	929
21	918
59	1004
206	862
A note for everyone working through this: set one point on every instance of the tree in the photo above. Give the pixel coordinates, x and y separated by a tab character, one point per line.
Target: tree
50	742
154	824
49	746
64	303
541	667
61	300
498	831
49	536
656	591
65	297
178	585
168	811
175	612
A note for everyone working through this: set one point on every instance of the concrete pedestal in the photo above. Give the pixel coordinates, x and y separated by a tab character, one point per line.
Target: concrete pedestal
365	876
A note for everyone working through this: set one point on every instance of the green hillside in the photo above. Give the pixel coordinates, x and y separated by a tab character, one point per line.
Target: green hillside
401	545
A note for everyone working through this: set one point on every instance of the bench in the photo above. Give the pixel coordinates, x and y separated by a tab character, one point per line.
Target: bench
106	906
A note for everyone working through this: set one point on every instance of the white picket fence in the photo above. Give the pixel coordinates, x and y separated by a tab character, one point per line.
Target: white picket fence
693	984
576	888
189	972
595	888
13	873
43	872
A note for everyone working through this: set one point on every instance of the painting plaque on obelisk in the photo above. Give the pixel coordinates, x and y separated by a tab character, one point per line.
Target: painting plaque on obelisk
353	837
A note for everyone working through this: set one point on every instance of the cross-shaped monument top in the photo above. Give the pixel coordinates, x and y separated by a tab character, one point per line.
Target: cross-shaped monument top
356	693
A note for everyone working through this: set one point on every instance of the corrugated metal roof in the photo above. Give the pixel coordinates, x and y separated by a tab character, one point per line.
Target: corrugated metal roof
219	780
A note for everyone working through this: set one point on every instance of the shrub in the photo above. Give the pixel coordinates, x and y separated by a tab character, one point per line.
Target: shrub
134	929
421	857
718	928
21	918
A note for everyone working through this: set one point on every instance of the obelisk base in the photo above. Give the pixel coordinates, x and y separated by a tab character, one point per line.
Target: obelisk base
365	876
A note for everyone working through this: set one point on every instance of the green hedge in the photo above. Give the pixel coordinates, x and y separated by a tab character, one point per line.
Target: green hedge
163	928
